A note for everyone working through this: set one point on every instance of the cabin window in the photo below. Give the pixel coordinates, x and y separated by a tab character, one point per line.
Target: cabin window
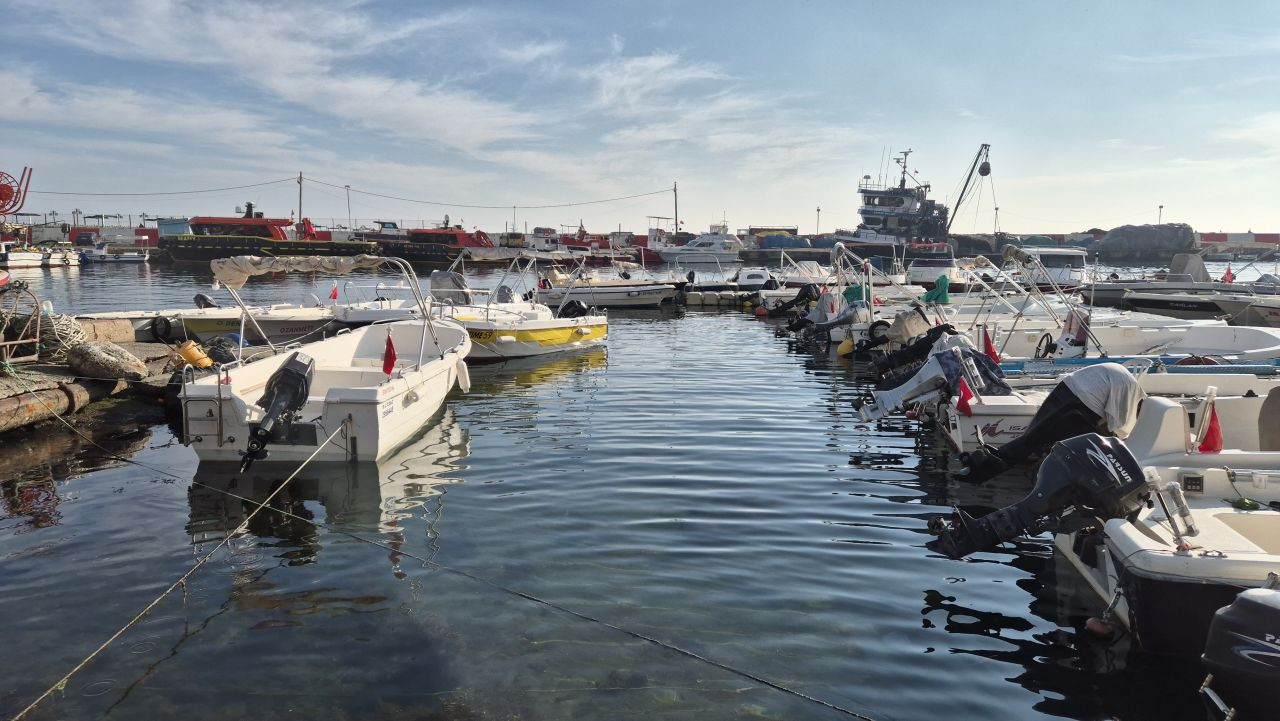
873	222
885	201
1062	261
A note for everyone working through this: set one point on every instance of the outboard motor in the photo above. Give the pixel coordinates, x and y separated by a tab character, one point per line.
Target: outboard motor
1242	656
504	294
286	393
573	309
204	301
808	293
1084	478
916	352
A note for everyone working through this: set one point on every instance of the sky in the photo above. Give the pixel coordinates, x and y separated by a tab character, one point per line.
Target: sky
1097	113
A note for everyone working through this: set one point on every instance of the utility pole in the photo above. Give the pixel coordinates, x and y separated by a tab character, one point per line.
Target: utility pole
817	226
675	193
349	223
1160	215
299	196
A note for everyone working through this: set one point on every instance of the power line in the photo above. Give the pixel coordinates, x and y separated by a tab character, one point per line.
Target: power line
487	207
170	192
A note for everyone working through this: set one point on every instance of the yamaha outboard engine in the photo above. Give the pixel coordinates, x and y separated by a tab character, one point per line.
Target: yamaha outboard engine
1083	478
204	301
573	309
286	393
1242	656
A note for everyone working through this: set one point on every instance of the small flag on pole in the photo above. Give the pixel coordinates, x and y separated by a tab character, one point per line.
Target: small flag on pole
333	294
1211	442
389	356
1228	276
989	348
962	401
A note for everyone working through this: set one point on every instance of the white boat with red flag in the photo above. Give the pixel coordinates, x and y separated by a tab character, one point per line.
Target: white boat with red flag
356	396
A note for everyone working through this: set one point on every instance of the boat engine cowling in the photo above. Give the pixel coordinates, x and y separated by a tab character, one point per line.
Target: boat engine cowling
1083	478
286	393
1242	655
573	309
203	301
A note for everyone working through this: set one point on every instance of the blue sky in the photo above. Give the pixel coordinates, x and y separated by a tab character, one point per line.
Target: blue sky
1096	112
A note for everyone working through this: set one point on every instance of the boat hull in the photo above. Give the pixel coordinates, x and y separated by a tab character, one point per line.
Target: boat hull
201	249
492	343
645	296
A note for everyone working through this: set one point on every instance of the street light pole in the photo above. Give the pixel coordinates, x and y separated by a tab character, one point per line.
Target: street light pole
1160	215
348	187
817	226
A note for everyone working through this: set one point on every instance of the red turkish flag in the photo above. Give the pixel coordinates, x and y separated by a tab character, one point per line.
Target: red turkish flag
962	401
1212	442
389	356
333	294
989	348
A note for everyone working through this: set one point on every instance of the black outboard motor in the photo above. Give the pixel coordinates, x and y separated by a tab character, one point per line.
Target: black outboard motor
1062	415
1083	478
204	301
573	309
286	393
917	352
1242	656
807	294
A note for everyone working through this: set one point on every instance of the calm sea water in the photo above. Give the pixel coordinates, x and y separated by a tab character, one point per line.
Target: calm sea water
704	482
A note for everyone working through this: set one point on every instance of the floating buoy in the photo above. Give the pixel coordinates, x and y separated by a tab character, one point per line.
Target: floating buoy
761	312
985	169
845	348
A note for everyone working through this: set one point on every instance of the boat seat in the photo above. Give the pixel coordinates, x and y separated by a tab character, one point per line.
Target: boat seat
1162	428
1269	422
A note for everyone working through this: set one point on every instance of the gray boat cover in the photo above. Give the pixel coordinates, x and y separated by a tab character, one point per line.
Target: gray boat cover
235	271
1189	265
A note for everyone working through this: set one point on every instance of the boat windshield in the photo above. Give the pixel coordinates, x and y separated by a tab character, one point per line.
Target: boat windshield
1052	260
932	262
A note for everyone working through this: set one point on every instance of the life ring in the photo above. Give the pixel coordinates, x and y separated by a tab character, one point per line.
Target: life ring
1045	346
160	327
877	329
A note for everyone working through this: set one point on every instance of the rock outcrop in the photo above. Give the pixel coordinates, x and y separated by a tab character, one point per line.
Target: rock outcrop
1145	244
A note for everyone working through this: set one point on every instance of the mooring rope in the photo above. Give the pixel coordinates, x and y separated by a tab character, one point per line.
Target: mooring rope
62	682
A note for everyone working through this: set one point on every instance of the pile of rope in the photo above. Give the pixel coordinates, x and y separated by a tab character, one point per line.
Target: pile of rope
58	332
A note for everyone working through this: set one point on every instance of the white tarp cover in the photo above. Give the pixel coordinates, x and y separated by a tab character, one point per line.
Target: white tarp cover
1109	390
234	272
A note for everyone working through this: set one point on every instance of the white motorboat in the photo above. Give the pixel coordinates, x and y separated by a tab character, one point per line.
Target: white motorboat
59	255
506	327
557	288
102	253
356	396
1170	566
1062	267
15	255
717	246
279	323
1165	537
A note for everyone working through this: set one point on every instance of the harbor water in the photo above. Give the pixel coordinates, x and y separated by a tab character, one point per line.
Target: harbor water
647	531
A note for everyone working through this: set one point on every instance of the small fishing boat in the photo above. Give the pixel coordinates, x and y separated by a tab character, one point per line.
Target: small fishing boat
356	396
505	327
59	255
281	323
4	280
556	288
1061	268
934	260
102	253
15	255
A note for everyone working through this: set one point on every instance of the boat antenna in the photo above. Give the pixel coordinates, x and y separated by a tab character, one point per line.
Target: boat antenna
982	167
902	183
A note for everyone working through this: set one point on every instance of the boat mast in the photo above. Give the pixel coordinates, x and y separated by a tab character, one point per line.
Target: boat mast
675	193
299	196
978	159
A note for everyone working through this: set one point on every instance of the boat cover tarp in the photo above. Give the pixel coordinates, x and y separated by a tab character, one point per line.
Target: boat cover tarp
783	241
235	271
1109	390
